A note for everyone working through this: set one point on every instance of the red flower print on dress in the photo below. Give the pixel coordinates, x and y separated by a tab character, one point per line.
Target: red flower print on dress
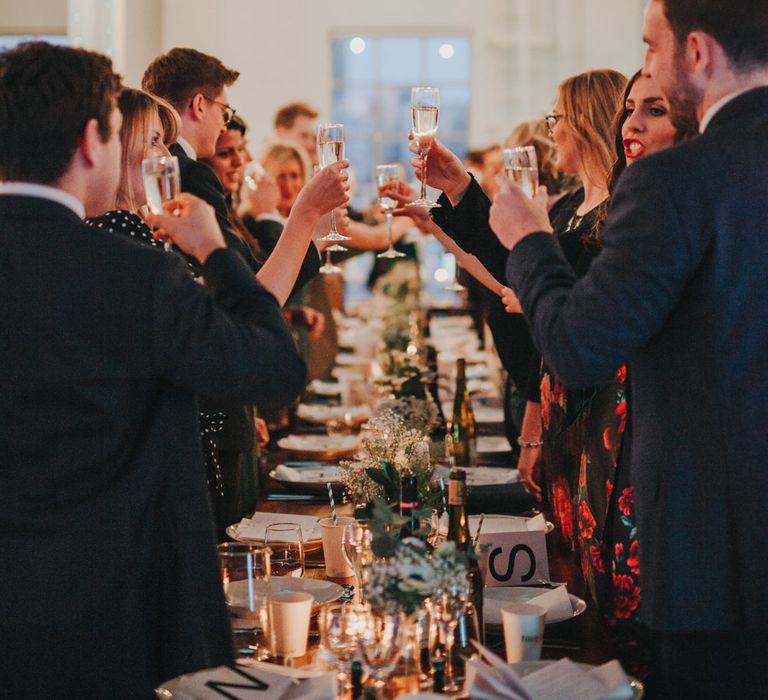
626	596
633	561
597	558
583	470
627	500
558	394
621	412
546	398
561	503
608	489
619	551
621	374
586	521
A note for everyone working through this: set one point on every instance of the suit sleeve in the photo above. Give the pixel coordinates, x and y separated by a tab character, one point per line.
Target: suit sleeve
587	328
228	341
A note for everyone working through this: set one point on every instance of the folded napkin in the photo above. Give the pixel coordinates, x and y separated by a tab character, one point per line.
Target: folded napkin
484	476
490	678
322	388
306	475
253	528
555	601
283	683
496	524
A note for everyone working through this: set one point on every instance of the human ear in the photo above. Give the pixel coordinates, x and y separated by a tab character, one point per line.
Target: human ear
90	141
197	106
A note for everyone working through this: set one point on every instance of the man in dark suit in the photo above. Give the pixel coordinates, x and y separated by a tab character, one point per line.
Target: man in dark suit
109	582
678	291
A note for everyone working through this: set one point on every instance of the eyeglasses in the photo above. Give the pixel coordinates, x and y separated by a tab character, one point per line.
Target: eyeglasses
228	113
552	119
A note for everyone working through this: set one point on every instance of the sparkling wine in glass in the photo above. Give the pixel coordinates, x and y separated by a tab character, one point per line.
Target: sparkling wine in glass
162	183
356	544
522	168
388	176
330	149
425	107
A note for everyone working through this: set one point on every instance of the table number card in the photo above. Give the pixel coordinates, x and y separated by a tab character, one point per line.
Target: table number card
233	683
513	558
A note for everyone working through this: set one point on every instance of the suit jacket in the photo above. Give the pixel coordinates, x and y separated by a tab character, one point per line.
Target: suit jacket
109	581
679	290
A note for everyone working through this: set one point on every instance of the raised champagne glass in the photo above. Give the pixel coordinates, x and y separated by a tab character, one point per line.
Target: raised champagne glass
425	107
522	168
330	149
387	177
162	183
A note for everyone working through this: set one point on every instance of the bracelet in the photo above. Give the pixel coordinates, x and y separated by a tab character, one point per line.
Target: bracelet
526	443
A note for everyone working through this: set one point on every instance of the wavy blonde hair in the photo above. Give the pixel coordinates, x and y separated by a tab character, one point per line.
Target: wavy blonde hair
590	102
137	106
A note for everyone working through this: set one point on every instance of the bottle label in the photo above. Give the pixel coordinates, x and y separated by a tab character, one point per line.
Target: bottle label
409	504
457	493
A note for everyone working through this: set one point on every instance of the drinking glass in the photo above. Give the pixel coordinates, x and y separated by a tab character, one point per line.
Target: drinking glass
356	542
522	168
425	107
455	286
287	545
245	579
388	176
330	149
162	183
380	645
340	626
254	173
449	604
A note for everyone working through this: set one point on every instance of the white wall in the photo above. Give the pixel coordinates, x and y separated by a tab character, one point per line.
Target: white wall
521	48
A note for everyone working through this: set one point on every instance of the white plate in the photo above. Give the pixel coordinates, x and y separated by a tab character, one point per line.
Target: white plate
348	359
522	594
482	476
491	444
322	413
321	388
523	668
496	523
252	529
321	446
324	592
297	476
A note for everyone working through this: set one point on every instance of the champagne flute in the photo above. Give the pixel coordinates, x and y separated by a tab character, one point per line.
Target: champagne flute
450	605
356	545
425	106
522	168
162	183
287	545
340	626
330	149
388	176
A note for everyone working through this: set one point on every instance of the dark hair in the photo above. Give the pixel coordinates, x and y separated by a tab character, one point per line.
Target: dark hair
287	114
47	96
237	124
740	27
179	74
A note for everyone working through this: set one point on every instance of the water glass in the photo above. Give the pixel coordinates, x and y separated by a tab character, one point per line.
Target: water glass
286	543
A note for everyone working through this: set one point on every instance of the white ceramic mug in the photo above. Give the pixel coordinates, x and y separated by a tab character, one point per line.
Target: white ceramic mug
336	566
291	611
523	631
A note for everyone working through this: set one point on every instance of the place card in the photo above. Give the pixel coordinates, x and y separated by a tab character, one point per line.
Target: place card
235	682
514	558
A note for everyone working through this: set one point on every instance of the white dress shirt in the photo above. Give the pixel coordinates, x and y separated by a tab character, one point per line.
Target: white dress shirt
186	146
53	194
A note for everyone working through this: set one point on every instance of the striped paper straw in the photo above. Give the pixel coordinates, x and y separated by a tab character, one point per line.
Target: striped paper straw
479	527
333	505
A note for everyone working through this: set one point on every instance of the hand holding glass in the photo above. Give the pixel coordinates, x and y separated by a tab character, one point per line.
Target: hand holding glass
388	176
162	183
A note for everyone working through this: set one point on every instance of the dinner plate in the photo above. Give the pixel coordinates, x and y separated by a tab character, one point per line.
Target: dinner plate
496	523
321	388
252	529
322	591
482	476
492	444
523	668
309	478
320	446
522	594
320	413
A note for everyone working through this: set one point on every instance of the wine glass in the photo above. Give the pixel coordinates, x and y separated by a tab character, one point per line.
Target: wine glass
380	646
162	183
455	286
356	544
425	106
340	626
287	545
522	168
388	176
245	580
449	605
330	149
